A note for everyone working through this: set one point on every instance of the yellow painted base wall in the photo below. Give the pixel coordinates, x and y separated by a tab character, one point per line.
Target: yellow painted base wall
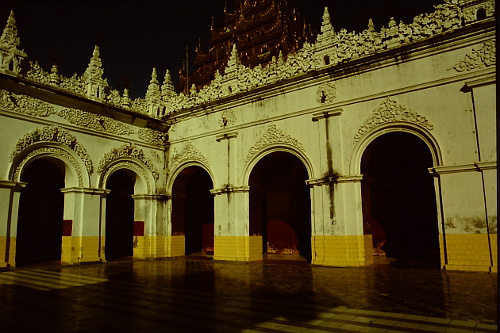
158	246
342	251
7	247
238	248
82	249
470	252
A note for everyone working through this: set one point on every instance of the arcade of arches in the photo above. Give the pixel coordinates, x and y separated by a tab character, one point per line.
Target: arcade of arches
350	149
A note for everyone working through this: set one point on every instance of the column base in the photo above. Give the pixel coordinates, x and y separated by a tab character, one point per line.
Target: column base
238	248
470	252
342	251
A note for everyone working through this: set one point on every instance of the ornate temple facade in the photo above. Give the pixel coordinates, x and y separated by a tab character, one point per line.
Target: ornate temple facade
338	151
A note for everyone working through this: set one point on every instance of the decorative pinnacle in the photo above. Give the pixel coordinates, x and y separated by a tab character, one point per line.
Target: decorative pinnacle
326	25
9	38
154	76
371	26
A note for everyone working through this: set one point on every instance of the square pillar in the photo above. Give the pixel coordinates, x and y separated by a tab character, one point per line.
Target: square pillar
10	193
84	212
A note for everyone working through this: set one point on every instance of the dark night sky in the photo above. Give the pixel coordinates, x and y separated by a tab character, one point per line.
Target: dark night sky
135	36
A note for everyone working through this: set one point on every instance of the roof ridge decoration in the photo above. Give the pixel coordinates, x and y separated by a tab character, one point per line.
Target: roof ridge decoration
330	49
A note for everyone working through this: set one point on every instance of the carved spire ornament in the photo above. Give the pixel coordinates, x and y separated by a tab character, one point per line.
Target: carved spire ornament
390	111
167	88
327	30
93	76
10	56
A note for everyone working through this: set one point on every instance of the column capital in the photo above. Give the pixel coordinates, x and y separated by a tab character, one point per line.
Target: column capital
223	136
157	197
85	190
228	189
327	114
12	184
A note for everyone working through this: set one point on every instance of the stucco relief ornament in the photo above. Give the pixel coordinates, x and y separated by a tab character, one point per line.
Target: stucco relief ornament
25	104
96	122
127	151
273	136
152	136
480	57
227	118
57	135
391	111
189	153
327	92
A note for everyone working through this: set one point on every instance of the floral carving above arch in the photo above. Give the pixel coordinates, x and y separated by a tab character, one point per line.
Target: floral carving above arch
53	134
189	153
391	111
127	151
273	136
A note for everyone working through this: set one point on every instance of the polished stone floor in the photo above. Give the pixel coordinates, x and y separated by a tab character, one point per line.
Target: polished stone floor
195	295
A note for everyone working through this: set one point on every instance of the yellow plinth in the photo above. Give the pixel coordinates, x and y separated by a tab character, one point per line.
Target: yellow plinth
82	249
7	251
342	251
238	248
471	252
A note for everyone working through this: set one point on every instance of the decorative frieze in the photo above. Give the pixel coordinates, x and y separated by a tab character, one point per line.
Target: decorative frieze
53	134
274	136
479	57
25	104
124	152
391	111
153	136
95	121
188	154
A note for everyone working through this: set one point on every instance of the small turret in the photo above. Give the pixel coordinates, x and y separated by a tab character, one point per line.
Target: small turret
93	76
167	88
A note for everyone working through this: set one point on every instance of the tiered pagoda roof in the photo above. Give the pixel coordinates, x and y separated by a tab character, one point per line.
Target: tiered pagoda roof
261	29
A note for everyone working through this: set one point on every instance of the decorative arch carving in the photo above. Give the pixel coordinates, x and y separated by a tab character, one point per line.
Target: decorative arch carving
271	137
74	175
53	134
144	183
189	153
390	111
127	151
409	128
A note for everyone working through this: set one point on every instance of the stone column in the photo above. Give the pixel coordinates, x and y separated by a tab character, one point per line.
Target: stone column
150	232
83	225
10	193
232	240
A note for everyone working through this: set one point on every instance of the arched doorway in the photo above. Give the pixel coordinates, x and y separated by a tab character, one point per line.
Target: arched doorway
120	215
40	219
399	200
280	206
193	210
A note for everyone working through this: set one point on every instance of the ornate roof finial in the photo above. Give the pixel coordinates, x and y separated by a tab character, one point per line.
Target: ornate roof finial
167	88
371	26
153	92
93	75
326	25
327	31
9	39
234	61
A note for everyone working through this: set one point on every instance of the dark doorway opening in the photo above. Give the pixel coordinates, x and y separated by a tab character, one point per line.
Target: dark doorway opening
399	200
280	205
193	210
41	205
120	215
